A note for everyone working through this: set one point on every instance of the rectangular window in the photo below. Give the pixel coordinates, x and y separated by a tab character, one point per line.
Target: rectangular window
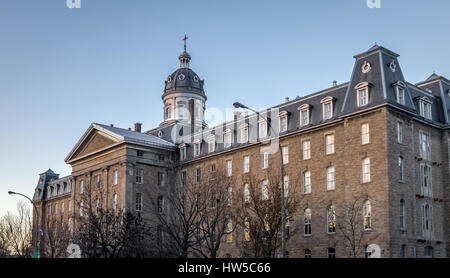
230	196
211	145
365	134
400	168
262	129
285	152
115	176
229	168
183	153
160	204
246	193
329	141
81	187
425	110
97	181
283	123
331	253
140	153
230	231
160	178
425	173
286	186
161	157
327	111
330	178
265	189
138	202
139	176
197	149
246	230
212	171
69	205
424	145
244	134
307	182
197	175
400	132
62	207
304	117
401	95
366	170
264	160
227	139
363	97
306	145
114	202
246	164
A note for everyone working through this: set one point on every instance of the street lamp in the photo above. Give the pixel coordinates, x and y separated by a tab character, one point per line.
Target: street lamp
36	246
283	210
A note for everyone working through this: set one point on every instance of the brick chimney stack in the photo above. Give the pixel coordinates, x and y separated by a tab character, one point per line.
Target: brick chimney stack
137	127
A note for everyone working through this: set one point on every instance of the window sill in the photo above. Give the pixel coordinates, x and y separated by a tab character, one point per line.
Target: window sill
307	235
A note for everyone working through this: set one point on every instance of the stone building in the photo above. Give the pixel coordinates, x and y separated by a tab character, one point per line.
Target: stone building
376	136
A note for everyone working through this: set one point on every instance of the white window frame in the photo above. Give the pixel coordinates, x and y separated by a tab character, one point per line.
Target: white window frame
211	143
367	215
246	164
400	132
306	182
264	160
81	186
138	202
229	166
362	93
283	121
265	189
400	92
304	114
329	144
285	153
330	178
227	138
307	222
401	168
365	133
427	221
139	177
306	149
115	177
365	173
327	102
426	180
262	128
114	203
197	147
402	215
424	145
97	181
425	108
244	133
183	152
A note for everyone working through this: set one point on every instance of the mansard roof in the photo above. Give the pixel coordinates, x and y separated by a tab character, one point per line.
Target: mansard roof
377	69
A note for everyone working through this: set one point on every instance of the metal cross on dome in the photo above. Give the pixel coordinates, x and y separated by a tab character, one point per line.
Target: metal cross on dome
185	39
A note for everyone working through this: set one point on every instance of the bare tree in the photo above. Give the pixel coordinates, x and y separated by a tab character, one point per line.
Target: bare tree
355	221
16	231
259	213
107	232
56	237
216	219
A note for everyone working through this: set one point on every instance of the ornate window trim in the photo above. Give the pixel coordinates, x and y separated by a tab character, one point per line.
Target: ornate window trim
329	100
362	87
283	115
304	108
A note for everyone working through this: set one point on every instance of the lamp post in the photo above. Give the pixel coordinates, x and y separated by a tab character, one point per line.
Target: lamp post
283	210
36	246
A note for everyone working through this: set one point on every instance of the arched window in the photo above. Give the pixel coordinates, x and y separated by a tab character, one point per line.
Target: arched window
367	214
307	221
168	112
331	219
427	221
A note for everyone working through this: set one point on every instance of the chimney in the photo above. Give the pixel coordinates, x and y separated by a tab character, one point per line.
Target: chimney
129	128
286	99
334	83
237	115
111	125
137	127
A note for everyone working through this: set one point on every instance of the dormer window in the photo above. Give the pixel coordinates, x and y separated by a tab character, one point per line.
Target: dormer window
197	146
400	92
283	116
244	133
227	138
425	107
362	93
262	128
211	143
304	114
327	108
183	152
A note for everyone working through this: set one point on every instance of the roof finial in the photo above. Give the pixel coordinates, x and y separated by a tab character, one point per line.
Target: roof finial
185	39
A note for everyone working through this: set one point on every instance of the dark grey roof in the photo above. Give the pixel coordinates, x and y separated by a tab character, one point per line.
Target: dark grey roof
136	137
184	80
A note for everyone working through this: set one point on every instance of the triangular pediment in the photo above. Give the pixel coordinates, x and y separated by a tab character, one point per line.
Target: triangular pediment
94	140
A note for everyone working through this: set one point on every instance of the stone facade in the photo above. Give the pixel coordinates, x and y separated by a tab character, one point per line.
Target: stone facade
395	182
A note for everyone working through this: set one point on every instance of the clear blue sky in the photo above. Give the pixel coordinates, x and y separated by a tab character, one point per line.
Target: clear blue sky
62	69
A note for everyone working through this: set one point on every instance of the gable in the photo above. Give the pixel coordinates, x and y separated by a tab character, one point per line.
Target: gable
96	141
